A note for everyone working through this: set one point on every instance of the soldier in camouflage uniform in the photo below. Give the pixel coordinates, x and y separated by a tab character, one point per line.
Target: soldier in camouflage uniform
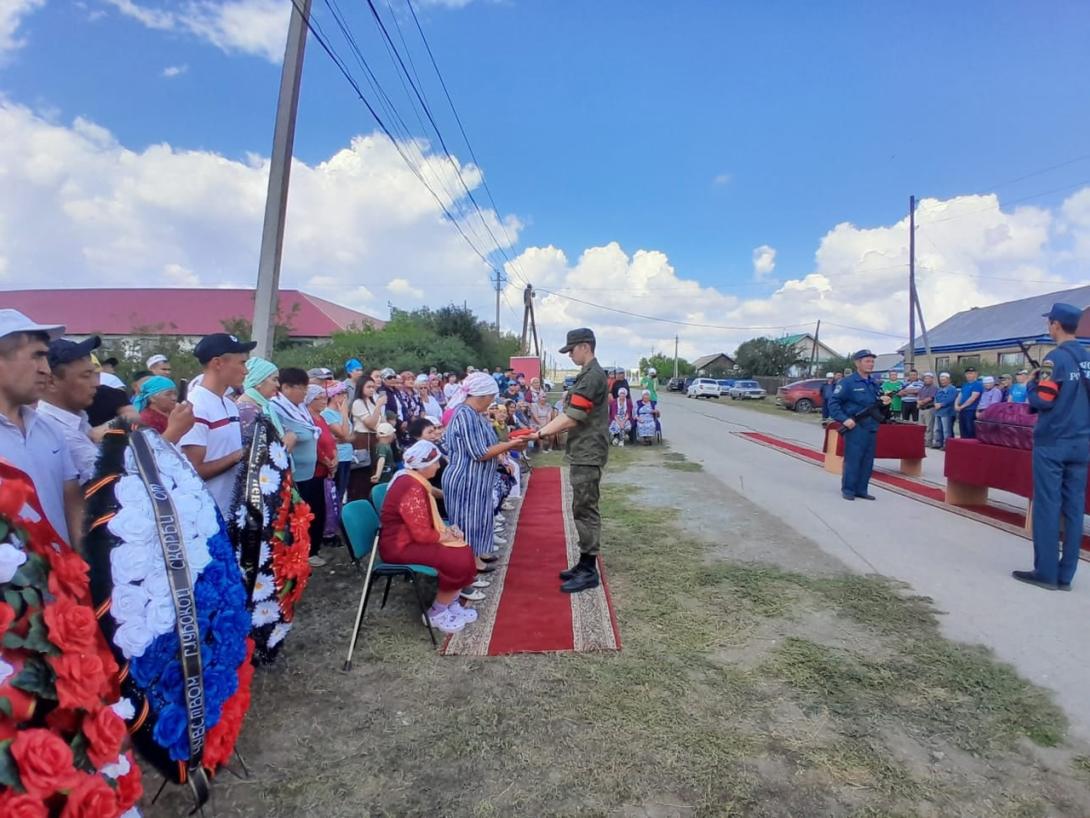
586	420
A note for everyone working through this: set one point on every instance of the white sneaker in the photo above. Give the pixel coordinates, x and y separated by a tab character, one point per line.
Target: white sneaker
316	561
468	615
447	622
480	583
471	596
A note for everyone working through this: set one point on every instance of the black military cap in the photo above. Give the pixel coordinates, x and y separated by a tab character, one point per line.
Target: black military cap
220	343
62	351
583	335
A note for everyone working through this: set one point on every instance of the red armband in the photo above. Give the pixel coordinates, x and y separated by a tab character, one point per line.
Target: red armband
580	402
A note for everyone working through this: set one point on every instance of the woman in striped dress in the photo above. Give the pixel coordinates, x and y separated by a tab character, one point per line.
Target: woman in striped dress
472	447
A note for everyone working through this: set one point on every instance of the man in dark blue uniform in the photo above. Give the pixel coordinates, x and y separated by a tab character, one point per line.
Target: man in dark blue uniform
1061	449
855	405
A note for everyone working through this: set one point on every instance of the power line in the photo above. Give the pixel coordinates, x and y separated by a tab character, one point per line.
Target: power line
461	128
710	326
435	127
332	54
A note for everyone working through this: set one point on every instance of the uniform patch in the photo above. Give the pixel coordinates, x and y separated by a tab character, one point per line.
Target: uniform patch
580	402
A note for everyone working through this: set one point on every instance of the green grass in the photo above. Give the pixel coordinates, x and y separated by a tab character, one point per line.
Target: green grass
675	723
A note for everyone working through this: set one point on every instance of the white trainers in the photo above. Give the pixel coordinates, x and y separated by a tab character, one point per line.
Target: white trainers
316	561
481	583
471	596
447	622
468	615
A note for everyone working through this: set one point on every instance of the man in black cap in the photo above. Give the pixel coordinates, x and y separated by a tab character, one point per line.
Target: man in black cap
214	444
1061	449
966	404
70	392
586	420
855	405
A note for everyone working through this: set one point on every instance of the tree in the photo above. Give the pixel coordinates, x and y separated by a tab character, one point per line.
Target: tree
834	365
664	365
449	339
766	356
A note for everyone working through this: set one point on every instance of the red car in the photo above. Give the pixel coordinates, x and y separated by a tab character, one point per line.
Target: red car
802	396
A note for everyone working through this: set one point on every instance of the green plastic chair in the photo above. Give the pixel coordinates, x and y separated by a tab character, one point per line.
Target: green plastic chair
378	496
361	527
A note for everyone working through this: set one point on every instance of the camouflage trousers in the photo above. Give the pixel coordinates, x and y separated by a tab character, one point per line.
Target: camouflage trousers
585	482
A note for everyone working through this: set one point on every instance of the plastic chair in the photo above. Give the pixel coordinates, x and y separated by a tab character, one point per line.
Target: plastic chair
378	496
361	527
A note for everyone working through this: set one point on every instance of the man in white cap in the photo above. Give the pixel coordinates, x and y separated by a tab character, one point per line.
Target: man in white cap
992	395
28	441
159	365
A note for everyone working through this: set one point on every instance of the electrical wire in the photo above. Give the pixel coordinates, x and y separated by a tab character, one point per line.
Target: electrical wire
713	326
462	129
342	67
435	127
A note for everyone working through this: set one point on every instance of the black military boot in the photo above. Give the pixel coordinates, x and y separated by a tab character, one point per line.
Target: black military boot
568	573
584	577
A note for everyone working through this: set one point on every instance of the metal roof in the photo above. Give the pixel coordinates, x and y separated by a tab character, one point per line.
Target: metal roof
185	312
704	360
1004	324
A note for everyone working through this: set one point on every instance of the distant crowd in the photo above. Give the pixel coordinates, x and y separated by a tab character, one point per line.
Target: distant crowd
943	407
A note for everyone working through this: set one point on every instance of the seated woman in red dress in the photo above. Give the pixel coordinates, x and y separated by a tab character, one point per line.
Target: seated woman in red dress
412	531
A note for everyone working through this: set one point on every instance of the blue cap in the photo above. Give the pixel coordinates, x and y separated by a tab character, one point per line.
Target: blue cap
352	364
863	353
1066	314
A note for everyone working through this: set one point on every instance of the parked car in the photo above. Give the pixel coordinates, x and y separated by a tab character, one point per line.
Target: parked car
802	396
747	390
703	388
675	385
569	382
724	386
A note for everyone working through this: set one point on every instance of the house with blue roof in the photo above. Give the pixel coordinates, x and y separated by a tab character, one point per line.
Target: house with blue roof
991	336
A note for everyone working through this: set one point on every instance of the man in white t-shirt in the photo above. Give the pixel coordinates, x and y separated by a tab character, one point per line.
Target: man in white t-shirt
214	444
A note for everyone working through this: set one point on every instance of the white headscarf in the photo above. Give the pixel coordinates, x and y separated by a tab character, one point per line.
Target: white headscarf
476	385
421	455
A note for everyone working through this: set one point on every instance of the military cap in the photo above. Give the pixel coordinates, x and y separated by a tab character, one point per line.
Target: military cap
583	335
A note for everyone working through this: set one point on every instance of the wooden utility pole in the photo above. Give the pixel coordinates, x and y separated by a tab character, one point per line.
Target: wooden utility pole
814	350
276	202
911	356
498	280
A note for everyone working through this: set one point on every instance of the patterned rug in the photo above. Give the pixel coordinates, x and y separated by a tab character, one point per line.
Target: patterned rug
1001	516
525	611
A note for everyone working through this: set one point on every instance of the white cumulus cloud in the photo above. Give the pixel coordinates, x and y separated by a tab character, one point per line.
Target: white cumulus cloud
764	261
12	13
172	71
80	209
256	27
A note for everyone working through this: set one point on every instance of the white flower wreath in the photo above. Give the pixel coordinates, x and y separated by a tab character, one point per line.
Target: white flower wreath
141	602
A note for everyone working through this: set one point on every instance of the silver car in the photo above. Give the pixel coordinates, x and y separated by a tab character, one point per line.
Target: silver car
747	390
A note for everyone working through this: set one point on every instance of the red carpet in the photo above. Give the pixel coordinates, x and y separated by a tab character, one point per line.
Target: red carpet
526	611
533	615
1008	519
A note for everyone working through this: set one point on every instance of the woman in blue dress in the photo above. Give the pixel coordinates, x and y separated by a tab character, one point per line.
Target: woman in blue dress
472	447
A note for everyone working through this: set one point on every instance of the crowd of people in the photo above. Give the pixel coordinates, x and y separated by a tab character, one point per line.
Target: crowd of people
942	406
453	447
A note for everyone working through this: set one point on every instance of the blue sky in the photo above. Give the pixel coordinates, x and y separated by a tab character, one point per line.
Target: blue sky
697	130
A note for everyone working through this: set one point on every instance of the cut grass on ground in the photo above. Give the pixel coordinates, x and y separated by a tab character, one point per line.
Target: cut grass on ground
726	700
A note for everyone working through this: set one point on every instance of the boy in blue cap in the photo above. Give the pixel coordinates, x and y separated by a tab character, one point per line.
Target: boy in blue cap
1061	449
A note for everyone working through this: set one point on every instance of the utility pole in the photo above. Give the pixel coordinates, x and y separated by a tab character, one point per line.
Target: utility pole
911	356
675	356
814	350
498	280
276	201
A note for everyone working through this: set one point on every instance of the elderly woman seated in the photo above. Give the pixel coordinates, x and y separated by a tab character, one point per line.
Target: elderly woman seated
413	532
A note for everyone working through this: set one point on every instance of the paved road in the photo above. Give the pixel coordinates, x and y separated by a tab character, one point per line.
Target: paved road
963	565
